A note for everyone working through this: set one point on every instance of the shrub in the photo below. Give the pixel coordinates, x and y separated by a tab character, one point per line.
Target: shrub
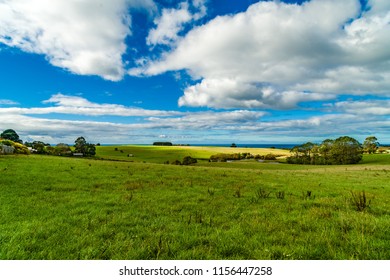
270	157
226	157
20	148
189	160
359	200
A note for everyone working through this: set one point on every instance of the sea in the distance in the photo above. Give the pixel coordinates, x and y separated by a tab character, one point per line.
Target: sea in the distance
276	146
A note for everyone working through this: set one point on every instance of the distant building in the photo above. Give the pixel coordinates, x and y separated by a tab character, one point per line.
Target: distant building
78	154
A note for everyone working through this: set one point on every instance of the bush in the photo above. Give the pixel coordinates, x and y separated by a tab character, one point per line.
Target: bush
20	148
189	160
226	157
270	157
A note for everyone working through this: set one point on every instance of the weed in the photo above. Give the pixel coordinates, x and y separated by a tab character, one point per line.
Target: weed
237	192
308	195
280	195
262	193
155	251
359	200
129	197
210	191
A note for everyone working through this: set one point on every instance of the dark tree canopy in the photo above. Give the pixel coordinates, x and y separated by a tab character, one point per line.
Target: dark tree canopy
162	144
10	134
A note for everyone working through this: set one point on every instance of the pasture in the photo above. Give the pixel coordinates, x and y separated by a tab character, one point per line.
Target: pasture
138	208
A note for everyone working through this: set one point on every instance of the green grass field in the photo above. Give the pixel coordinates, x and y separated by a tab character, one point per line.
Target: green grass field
137	208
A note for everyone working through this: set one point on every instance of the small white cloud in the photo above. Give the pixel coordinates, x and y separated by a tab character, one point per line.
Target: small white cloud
8	102
169	25
173	21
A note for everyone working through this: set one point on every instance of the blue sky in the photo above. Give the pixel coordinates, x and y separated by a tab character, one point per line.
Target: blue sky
195	71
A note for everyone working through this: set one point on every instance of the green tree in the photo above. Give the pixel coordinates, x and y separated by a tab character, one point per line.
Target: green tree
371	144
343	150
10	134
81	146
346	150
62	149
39	147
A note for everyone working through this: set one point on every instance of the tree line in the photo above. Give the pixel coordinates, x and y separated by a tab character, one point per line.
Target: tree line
343	150
10	138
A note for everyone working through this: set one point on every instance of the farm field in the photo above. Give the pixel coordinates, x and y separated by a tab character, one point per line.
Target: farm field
161	154
138	208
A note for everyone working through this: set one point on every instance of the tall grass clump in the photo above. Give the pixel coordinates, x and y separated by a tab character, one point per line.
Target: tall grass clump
359	201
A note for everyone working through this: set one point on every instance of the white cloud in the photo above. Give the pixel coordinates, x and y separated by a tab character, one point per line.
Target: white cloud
172	22
368	107
300	52
85	37
209	120
75	105
7	102
201	7
169	25
230	93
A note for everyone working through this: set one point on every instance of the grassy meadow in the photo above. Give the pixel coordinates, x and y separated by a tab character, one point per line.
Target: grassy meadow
138	208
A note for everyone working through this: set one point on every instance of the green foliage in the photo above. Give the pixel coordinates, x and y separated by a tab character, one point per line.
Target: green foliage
371	145
343	150
359	200
10	134
6	142
81	146
270	157
162	144
226	157
61	149
189	160
18	147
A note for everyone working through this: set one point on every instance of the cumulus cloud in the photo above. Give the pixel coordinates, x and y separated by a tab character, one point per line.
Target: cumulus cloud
85	37
297	52
231	93
172	22
169	25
